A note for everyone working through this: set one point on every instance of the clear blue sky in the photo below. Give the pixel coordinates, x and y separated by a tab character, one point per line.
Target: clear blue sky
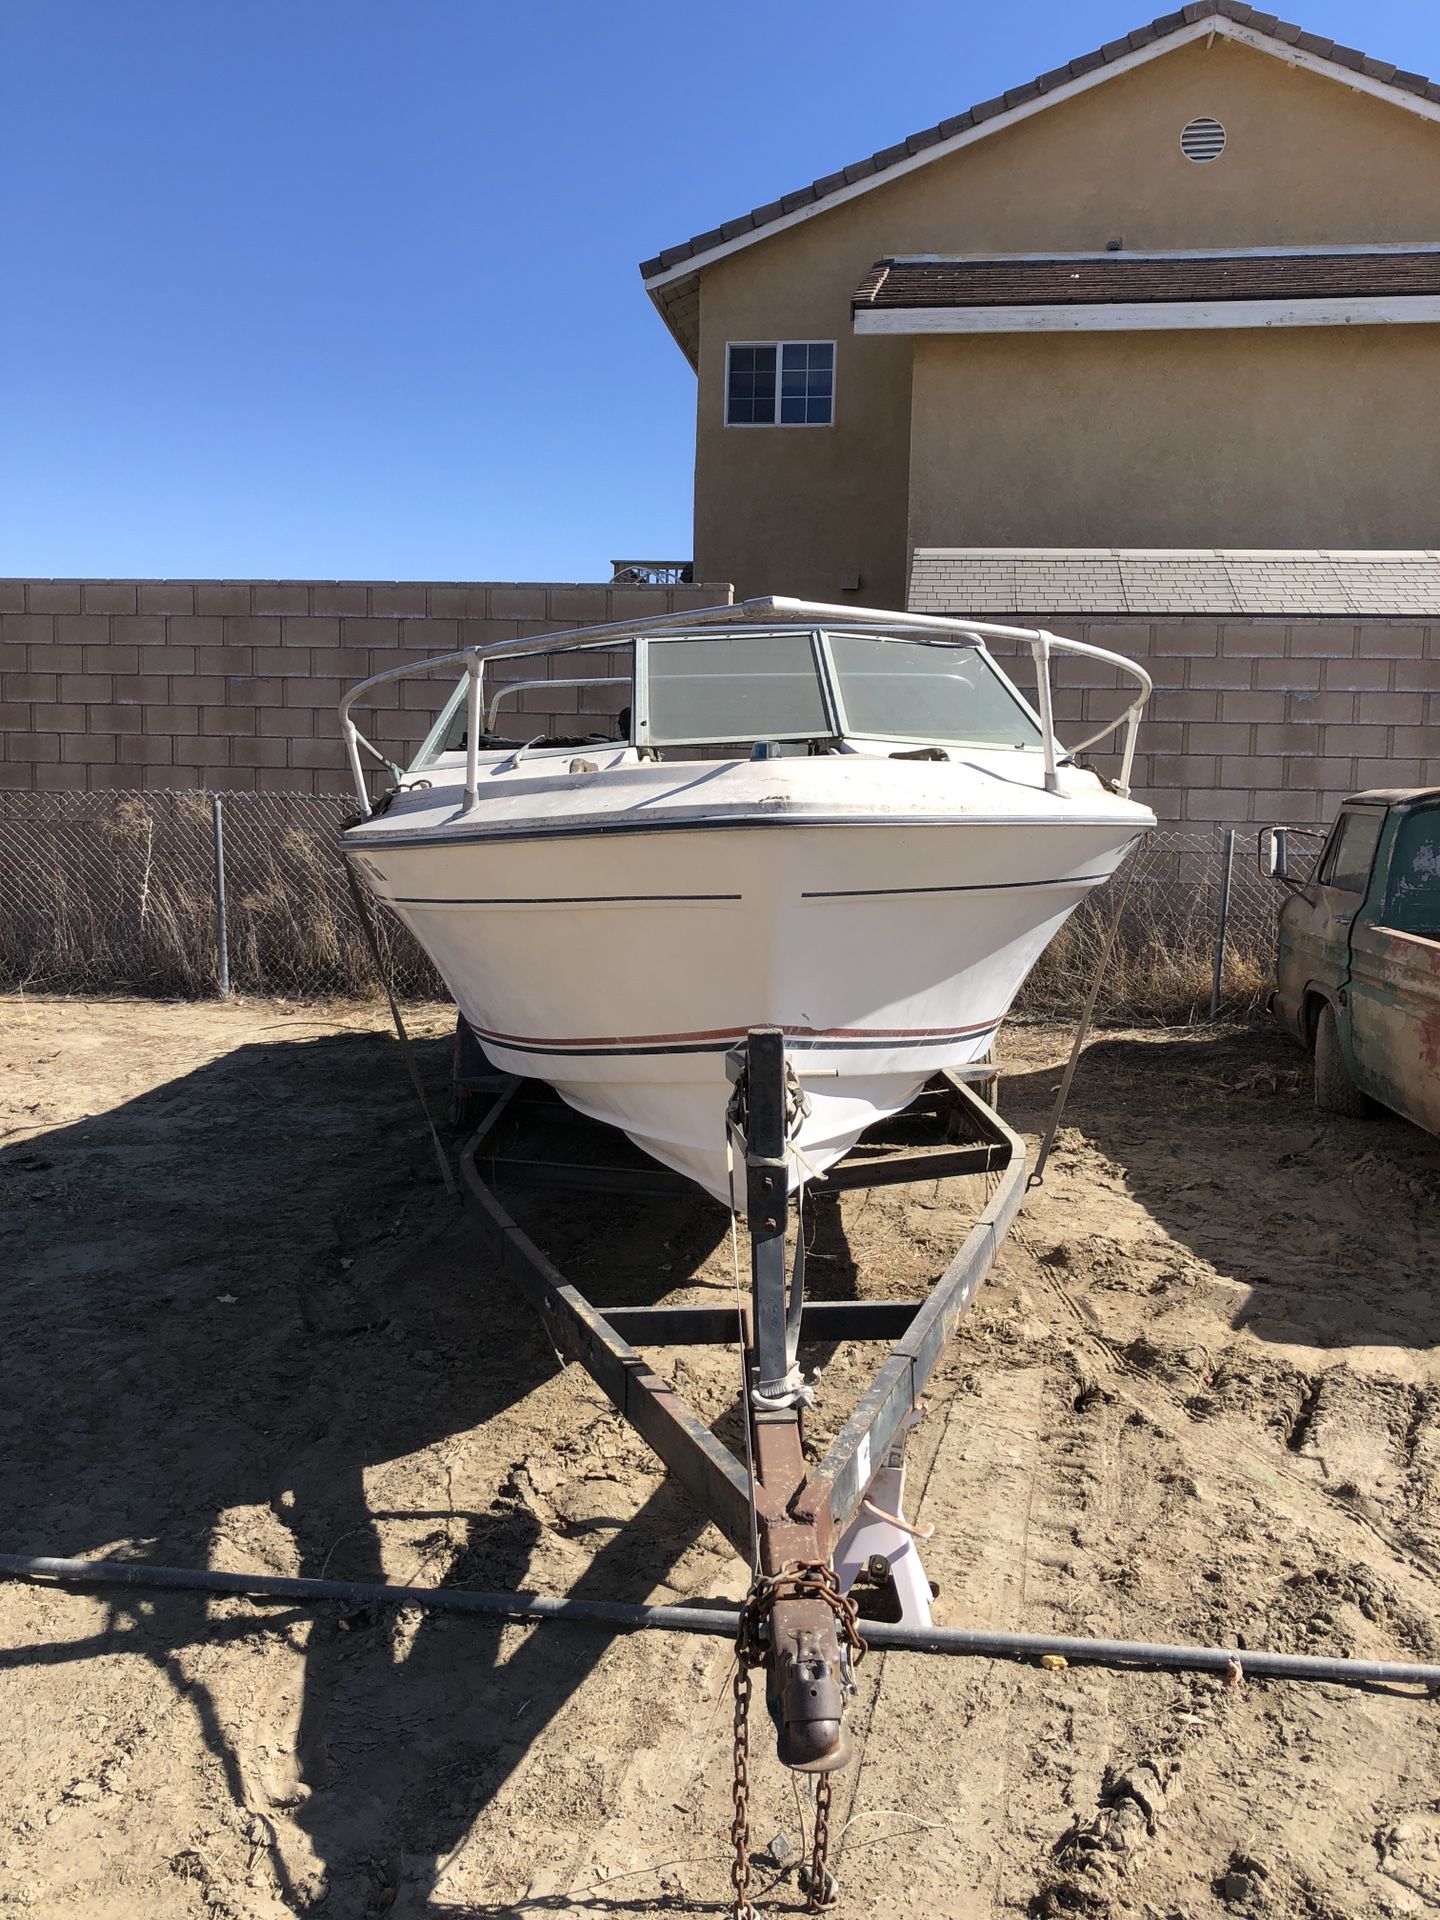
350	290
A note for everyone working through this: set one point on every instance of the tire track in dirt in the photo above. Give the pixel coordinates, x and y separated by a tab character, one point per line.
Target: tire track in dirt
1411	1436
1199	1398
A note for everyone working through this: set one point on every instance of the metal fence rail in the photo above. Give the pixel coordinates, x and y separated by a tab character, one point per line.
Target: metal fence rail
103	891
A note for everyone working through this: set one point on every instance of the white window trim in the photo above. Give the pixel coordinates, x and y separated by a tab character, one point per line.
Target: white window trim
1157	316
790	426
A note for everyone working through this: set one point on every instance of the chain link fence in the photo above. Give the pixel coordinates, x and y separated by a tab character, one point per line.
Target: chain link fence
105	892
118	891
1170	962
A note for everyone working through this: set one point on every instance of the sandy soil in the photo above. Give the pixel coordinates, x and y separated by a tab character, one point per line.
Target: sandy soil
241	1326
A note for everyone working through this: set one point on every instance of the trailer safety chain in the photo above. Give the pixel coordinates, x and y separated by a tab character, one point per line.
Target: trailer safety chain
740	1790
796	1580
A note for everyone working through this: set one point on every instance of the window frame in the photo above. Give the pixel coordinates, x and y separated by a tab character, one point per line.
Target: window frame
780	346
941	643
641	732
1330	854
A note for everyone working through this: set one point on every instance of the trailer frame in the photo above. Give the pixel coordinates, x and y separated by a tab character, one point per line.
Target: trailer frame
777	1510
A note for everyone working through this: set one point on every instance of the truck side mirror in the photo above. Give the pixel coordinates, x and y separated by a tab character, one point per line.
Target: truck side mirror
1273	851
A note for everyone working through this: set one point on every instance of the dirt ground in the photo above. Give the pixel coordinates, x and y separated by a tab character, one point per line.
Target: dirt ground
241	1326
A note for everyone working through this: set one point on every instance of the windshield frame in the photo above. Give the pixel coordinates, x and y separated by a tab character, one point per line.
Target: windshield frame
838	727
974	644
642	728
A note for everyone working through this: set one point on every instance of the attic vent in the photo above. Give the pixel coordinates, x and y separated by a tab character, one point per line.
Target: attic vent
1202	140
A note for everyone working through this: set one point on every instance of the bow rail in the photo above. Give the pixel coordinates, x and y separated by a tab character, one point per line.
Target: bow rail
769	609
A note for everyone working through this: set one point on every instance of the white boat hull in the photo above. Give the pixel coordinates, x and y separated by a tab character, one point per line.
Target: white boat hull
885	949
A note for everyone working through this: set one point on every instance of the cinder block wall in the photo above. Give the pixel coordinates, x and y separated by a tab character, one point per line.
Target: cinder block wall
1260	720
234	684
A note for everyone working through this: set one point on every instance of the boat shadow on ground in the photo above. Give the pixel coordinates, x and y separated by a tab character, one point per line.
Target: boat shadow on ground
239	1296
1328	1222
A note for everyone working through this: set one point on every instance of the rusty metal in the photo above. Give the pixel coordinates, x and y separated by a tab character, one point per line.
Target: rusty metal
798	1511
1366	946
806	1701
803	1686
820	1890
802	1676
740	1783
815	1645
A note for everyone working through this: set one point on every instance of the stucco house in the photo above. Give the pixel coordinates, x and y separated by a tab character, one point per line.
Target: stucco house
1151	343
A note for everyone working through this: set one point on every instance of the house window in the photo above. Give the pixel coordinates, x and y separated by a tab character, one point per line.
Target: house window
784	383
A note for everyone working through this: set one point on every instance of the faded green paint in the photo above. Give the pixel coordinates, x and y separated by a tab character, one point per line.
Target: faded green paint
1363	936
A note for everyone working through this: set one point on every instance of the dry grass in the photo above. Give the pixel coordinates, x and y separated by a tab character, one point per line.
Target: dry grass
103	900
120	894
1162	966
102	891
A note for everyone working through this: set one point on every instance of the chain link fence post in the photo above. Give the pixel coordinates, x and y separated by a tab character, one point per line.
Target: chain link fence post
222	931
1222	918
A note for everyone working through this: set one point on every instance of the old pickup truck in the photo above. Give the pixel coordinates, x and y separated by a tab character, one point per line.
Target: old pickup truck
1358	962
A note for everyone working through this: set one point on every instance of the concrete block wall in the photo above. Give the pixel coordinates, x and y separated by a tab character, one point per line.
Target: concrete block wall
1260	720
233	684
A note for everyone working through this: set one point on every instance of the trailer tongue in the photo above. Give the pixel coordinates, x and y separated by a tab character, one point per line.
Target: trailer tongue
792	1521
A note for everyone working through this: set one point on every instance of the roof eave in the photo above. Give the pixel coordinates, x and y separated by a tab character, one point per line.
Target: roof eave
687	340
1225	19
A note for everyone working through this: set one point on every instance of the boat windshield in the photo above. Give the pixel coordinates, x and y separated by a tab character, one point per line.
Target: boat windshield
743	686
948	695
807	685
818	685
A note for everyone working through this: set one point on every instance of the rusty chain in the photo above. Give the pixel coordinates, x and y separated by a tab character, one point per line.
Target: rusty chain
796	1580
740	1793
821	1892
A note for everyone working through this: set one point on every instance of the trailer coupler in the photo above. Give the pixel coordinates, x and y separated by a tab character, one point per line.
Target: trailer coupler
800	1627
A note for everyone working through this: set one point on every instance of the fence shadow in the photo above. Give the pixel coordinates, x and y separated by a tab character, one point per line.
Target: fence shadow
232	1301
1328	1221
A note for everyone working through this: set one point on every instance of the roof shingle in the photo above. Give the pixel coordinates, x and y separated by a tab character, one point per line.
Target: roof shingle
1202	580
1120	277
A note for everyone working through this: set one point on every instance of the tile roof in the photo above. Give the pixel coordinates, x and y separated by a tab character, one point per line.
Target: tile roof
1129	277
1234	11
1174	580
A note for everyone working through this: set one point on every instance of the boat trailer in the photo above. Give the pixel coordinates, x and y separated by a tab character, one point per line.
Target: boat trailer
806	1529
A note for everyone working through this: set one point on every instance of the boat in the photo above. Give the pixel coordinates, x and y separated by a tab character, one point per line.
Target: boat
846	823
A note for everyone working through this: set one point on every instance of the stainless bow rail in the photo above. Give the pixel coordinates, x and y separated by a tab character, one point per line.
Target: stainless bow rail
773	611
